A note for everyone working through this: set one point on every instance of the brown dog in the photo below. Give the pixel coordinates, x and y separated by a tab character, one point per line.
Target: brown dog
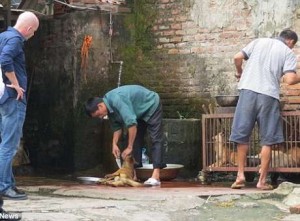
290	156
223	154
285	157
123	176
280	158
295	154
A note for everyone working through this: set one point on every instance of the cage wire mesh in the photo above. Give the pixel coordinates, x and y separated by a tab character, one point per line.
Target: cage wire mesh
221	155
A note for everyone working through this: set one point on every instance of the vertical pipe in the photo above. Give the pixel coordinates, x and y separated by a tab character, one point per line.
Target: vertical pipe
110	48
120	73
110	35
8	13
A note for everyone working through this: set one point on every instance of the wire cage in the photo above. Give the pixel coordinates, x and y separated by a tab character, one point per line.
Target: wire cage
221	155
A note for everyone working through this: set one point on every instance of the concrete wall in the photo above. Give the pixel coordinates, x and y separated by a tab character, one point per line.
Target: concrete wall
182	145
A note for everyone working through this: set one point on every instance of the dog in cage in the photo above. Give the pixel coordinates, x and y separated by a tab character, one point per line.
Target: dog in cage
285	157
223	155
295	154
280	158
291	156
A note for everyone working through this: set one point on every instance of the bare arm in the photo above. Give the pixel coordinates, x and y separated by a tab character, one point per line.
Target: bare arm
131	137
238	62
291	78
115	149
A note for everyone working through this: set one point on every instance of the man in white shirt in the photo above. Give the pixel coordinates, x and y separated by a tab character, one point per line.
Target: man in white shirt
268	60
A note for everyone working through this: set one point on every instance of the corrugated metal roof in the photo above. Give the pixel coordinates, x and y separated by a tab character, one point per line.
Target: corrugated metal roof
44	8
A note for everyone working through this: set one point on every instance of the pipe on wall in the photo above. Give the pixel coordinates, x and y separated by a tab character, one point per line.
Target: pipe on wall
110	48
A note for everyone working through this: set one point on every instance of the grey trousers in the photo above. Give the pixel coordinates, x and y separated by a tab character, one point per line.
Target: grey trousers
155	131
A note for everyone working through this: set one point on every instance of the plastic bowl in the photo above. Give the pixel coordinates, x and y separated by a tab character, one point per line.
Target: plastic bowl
168	173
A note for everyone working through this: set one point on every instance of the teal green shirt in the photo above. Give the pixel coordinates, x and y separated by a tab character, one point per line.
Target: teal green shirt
127	104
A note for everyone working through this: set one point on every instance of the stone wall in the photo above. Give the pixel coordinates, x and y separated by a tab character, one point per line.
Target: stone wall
57	132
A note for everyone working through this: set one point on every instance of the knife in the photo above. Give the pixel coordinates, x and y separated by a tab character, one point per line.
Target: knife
118	161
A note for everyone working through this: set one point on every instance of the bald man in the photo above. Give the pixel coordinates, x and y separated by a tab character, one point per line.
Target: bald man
13	102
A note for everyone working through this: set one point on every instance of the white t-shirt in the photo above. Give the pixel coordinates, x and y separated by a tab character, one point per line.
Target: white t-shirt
268	60
2	85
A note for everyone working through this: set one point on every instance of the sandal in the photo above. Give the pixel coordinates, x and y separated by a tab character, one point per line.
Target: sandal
238	185
266	187
152	182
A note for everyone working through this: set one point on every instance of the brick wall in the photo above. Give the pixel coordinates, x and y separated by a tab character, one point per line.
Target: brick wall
197	40
290	94
195	44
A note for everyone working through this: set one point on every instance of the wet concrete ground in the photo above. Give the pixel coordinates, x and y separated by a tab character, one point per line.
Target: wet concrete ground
52	199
